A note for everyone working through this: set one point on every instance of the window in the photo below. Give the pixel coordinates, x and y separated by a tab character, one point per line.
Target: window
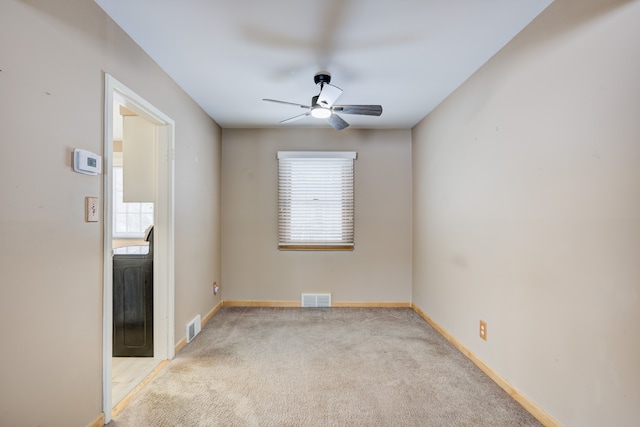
315	200
130	220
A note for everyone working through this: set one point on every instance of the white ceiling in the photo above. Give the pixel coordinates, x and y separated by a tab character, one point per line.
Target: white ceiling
407	55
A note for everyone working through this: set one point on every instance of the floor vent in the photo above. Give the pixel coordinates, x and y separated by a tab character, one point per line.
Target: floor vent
316	300
193	328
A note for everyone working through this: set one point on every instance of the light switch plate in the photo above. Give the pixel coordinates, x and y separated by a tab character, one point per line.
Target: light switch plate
91	209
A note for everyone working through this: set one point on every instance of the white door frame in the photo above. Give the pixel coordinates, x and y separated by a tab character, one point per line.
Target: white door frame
163	266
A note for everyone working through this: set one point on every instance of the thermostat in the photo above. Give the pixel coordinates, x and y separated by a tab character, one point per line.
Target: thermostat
86	162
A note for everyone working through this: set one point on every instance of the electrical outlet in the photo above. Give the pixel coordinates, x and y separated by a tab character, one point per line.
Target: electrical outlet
483	330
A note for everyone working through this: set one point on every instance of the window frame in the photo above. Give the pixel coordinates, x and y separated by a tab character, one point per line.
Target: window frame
342	186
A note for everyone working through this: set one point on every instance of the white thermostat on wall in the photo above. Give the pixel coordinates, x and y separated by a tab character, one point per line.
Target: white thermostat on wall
86	162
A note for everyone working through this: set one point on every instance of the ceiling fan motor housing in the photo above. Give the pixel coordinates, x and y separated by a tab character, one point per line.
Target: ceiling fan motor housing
317	110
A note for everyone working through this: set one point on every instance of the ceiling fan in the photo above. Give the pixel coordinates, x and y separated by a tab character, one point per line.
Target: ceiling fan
323	107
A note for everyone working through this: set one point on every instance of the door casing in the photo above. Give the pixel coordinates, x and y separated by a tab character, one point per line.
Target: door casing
163	270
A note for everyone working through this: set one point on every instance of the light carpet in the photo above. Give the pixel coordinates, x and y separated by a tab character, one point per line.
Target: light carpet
321	367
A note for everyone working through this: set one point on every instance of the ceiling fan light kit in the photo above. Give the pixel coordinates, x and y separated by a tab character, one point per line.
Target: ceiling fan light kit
322	105
320	112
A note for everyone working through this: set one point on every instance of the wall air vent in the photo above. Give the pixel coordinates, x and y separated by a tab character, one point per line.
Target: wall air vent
316	300
193	328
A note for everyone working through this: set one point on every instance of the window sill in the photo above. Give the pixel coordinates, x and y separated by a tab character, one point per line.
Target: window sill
314	248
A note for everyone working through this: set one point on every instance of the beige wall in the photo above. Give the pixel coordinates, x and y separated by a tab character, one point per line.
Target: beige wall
527	212
53	59
379	269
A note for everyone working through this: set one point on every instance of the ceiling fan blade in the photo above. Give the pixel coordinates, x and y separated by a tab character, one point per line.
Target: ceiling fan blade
294	118
337	122
285	102
364	110
328	95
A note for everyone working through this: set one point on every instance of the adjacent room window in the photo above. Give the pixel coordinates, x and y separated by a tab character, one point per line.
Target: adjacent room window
130	220
315	200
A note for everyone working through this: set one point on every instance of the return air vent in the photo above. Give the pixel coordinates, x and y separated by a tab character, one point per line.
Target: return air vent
193	328
316	300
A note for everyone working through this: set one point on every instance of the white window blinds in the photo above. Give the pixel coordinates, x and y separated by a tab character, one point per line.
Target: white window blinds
315	200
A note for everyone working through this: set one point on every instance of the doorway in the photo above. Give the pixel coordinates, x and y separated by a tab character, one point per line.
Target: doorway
119	96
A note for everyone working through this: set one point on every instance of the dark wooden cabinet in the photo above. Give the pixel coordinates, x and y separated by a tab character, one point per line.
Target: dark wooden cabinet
133	303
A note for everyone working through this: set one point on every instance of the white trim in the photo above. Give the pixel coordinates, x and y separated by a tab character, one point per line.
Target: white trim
107	291
318	154
316	199
164	279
